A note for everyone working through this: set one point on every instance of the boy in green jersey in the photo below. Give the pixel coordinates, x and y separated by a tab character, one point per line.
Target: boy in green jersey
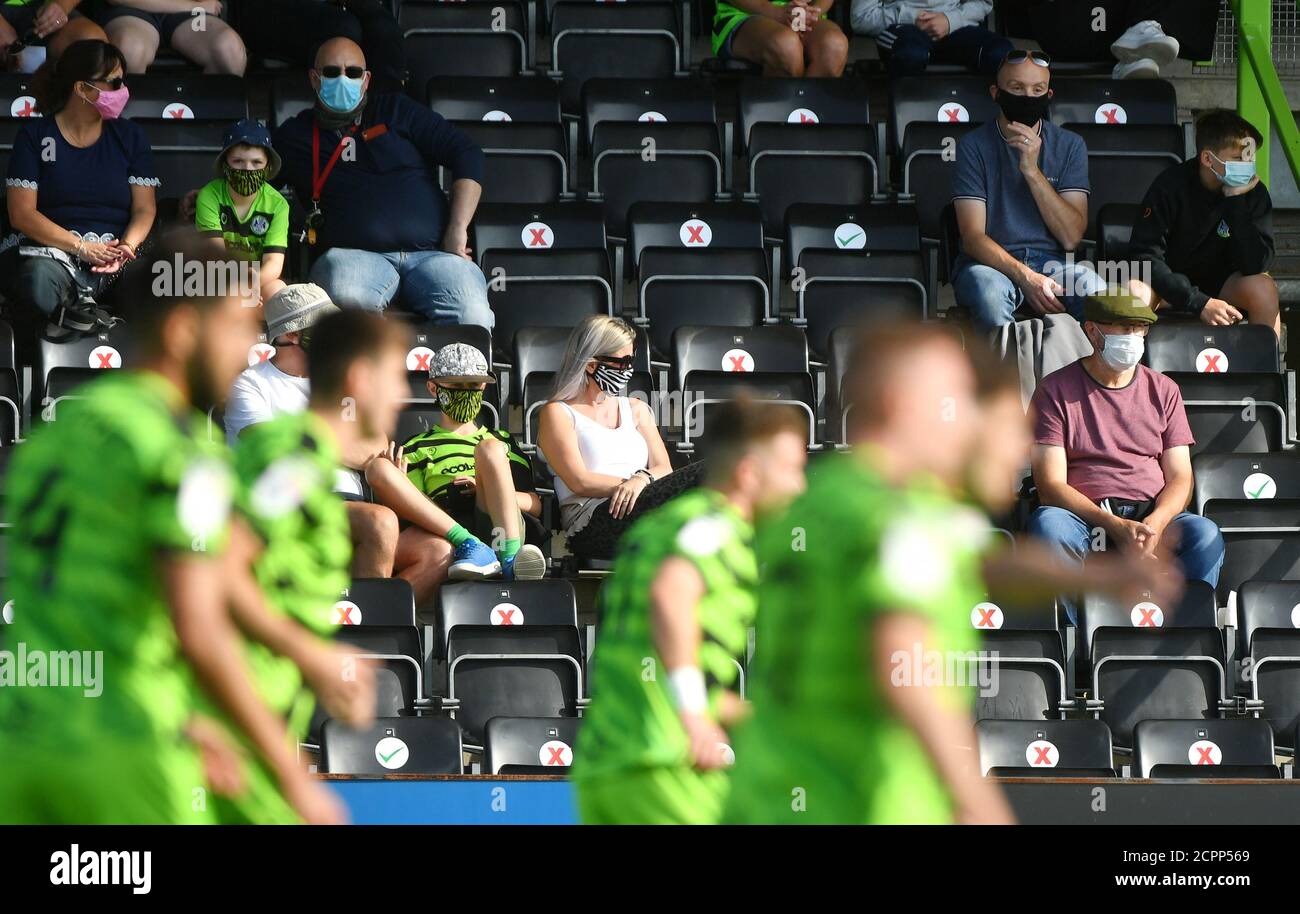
118	560
675	620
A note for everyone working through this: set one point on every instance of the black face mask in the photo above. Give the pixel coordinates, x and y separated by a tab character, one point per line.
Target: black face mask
1023	109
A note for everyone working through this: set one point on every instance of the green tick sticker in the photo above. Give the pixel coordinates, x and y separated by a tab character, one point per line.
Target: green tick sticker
392	753
849	236
1259	485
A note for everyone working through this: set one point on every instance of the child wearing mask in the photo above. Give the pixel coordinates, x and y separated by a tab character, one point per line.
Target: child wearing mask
240	210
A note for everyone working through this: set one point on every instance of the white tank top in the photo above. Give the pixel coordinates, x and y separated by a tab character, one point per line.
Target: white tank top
619	451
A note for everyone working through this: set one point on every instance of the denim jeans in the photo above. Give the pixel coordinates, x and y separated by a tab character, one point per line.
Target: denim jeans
993	298
442	287
907	50
1198	545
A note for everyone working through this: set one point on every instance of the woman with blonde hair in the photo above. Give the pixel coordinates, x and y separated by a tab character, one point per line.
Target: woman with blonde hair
609	461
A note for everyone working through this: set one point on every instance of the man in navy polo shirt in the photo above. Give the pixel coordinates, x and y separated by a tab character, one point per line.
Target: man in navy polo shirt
365	168
1021	195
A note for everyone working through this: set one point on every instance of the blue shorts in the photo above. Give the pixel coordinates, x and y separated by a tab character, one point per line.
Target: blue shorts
164	23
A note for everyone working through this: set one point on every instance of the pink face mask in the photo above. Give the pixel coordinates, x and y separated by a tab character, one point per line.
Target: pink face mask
110	102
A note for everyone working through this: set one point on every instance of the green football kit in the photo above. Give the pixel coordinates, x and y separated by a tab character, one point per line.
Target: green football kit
264	229
822	745
123	478
631	763
727	18
437	456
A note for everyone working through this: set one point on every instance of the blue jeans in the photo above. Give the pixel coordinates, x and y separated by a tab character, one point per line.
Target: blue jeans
993	298
442	287
1198	545
907	50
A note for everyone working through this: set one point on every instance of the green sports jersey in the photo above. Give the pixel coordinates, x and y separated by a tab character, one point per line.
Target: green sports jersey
286	473
264	229
437	456
125	475
632	724
822	745
725	19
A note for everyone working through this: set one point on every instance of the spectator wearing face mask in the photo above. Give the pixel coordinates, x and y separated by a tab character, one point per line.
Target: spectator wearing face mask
240	211
80	192
1021	195
1111	460
365	166
1206	229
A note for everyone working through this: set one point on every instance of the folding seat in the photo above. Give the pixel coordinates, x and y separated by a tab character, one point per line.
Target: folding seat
378	616
713	364
1115	223
538	353
393	745
512	649
186	96
953	100
61	367
546	265
183	153
1023	650
517	124
1124	160
11	398
806	141
1146	663
1258	553
1247	490
289	95
1268	639
1231	380
651	139
428	338
419	414
1113	102
589	39
852	265
1204	748
474	38
529	745
1045	748
697	263
929	160
399	692
837	366
17	102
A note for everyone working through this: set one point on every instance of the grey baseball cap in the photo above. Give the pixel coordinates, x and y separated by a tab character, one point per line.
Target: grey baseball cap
295	308
459	362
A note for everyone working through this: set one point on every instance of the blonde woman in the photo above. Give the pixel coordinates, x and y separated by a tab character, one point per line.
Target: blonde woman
609	461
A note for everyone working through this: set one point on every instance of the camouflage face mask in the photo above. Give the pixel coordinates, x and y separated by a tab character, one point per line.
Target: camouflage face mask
245	182
460	405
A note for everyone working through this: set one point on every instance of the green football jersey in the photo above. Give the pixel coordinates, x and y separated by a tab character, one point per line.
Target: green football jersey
286	472
437	456
822	745
124	476
264	229
632	722
727	17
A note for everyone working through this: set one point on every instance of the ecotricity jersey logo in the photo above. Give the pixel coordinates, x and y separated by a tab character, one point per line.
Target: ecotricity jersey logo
77	867
36	668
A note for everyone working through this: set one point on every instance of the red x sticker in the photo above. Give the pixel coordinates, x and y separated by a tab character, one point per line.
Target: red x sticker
1147	615
1204	752
419	359
1211	361
105	357
695	233
506	614
346	613
652	117
737	360
537	235
986	616
953	113
1110	114
802	116
555	753
259	352
178	111
23	106
1042	753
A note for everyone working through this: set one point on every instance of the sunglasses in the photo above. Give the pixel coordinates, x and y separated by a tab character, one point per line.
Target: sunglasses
622	364
333	72
1020	56
114	84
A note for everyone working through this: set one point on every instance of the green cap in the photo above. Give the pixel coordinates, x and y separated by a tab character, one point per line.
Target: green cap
1117	307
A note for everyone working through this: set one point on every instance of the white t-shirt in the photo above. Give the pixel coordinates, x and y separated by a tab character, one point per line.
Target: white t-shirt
261	393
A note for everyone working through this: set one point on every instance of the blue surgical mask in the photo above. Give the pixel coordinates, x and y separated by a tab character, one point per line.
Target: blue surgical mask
339	93
1235	174
1121	351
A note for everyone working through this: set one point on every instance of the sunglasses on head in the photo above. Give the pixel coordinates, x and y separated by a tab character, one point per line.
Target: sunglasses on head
114	84
1020	56
333	72
623	364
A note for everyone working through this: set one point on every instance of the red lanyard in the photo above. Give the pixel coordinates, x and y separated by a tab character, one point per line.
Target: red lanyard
318	177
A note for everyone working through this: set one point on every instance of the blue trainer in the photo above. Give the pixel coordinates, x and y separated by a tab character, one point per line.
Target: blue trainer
473	561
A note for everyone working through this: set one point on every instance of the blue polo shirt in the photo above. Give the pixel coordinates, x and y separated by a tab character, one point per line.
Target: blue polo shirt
988	169
387	198
84	190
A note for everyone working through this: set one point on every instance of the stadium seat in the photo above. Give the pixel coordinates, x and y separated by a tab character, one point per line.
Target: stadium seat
17	102
183	153
650	139
1231	380
1258	553
1147	663
1123	161
697	264
1029	657
1113	102
546	265
1115	223
806	141
377	615
1247	490
512	650
929	157
529	745
428	338
419	414
289	95
639	40
916	100
484	38
510	100
60	367
1203	748
852	265
399	692
1045	748
714	364
11	398
393	745
186	96
837	366
1268	638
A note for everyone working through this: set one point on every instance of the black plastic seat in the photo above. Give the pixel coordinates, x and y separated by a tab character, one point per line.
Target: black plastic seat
1113	102
1045	748
1123	161
1268	637
1204	748
393	745
186	96
483	38
1024	647
529	745
642	40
